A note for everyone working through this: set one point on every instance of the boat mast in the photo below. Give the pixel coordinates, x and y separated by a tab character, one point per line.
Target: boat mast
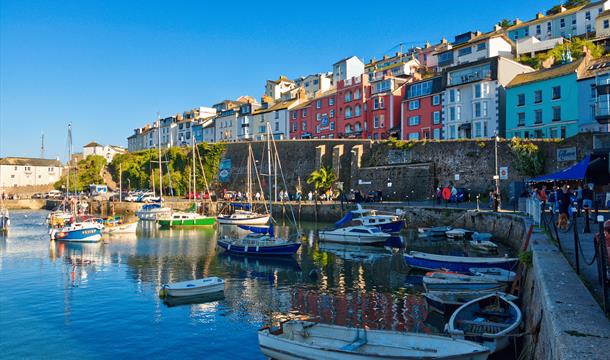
269	169
249	180
69	161
194	186
160	168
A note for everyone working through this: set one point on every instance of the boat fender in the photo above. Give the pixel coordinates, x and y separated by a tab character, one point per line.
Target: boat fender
256	248
229	247
246	248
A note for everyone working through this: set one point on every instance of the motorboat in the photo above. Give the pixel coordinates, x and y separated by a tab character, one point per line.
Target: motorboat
127	228
446	281
78	232
180	219
298	339
354	235
489	320
260	244
483	245
461	264
153	212
243	217
446	302
494	273
458	234
195	287
390	223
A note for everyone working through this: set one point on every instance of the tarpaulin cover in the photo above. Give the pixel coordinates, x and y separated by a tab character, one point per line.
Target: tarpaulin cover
241	206
347	218
575	172
259	229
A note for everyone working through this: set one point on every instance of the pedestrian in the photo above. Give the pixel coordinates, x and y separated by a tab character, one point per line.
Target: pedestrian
587	197
579	199
542	197
438	195
564	199
258	196
310	196
454	194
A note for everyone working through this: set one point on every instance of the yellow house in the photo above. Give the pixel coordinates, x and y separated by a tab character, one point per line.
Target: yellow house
602	24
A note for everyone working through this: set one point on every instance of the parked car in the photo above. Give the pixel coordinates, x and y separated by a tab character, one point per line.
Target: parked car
38	196
196	196
229	195
54	194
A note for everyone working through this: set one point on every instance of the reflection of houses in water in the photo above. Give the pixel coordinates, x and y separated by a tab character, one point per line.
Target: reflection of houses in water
373	309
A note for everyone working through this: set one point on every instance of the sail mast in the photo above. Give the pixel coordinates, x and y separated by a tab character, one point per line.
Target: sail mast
194	186
160	168
269	169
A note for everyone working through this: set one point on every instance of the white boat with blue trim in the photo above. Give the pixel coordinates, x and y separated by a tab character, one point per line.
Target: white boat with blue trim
354	235
207	285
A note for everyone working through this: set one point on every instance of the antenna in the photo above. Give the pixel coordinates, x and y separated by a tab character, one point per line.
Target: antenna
42	145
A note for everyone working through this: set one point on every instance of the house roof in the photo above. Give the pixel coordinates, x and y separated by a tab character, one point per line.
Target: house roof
23	161
545	74
595	67
280	105
547	18
346	58
93	144
303	105
481	37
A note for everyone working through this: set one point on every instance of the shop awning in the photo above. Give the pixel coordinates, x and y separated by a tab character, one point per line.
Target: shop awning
575	172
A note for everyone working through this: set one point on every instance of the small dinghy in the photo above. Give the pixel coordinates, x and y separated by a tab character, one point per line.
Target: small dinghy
458	234
484	245
128	228
298	339
439	230
194	287
494	273
427	261
446	302
455	282
488	320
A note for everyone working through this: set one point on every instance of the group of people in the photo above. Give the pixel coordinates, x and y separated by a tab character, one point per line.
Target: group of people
562	198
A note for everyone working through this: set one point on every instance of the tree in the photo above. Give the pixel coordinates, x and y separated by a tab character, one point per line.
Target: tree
323	179
505	23
569	4
575	45
88	171
528	160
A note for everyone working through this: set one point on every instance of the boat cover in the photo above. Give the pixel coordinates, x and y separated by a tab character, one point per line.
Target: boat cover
256	229
347	218
575	172
241	206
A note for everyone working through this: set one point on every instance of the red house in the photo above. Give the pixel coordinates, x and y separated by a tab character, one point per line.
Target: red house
422	109
301	124
351	99
382	110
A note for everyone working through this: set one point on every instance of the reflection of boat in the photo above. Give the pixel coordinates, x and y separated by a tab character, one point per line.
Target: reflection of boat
356	252
483	245
78	232
489	319
259	266
459	282
461	264
354	235
5	220
389	223
494	273
172	301
309	340
446	302
207	285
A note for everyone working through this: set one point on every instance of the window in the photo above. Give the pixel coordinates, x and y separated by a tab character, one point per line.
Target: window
458	113
277	114
261	129
332	125
588	15
465	51
520	99
452	132
331	101
348	96
477	129
304	112
420	89
376	122
413	104
589	28
556	92
521	119
378	103
477	109
304	126
294	126
556	113
537	96
414	136
318	116
294	115
414	120
553	133
277	126
357	94
357	111
606	24
331	113
538	29
318	104
478	90
437	133
348	112
381	121
537	116
563	132
548	26
383	86
357	127
454	95
562	23
436	117
452	113
318	129
436	100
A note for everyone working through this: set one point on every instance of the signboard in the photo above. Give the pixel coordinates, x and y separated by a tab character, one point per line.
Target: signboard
456	177
504	173
224	171
566	154
362	182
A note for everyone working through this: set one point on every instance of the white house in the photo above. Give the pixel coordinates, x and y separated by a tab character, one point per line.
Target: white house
277	115
474	46
347	68
275	88
315	83
531	45
107	151
20	171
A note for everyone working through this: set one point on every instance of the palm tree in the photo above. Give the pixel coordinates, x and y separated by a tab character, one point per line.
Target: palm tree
322	180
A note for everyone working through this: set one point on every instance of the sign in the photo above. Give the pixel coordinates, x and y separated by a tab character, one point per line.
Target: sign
456	177
504	173
566	154
361	182
224	171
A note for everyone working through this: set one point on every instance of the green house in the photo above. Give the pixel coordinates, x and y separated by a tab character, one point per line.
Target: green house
544	103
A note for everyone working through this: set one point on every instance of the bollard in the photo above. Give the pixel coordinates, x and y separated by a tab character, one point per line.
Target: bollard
603	261
587	229
596	212
576	260
556	233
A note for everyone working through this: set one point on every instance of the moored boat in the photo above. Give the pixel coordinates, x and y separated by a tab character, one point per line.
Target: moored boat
243	217
259	244
128	228
153	212
390	223
459	282
457	234
483	245
78	232
182	219
489	320
354	235
494	273
195	287
446	302
298	339
462	264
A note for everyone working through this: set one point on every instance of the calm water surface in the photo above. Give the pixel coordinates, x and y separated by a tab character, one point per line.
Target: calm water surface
100	301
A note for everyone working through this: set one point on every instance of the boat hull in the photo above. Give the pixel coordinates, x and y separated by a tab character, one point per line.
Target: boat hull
80	235
205	221
350	239
124	229
259	220
392	227
457	263
266	250
195	291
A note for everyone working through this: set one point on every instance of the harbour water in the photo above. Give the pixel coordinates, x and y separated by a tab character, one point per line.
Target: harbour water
100	301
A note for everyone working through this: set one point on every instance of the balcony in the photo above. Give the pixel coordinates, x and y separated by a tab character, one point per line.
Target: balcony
602	111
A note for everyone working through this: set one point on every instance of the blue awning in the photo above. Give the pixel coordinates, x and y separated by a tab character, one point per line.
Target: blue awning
575	172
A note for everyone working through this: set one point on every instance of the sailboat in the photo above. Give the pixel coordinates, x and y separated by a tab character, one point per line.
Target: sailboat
246	216
262	241
86	231
157	210
191	218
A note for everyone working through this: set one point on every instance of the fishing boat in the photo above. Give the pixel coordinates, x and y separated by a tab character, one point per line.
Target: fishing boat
489	320
127	228
462	264
245	215
483	245
78	232
354	235
297	339
446	281
389	223
494	273
5	220
446	302
207	285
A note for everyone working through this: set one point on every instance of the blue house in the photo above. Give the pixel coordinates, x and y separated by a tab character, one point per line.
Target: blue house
594	96
544	103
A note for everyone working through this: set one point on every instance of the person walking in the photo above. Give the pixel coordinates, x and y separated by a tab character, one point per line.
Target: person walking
258	196
564	198
579	199
542	197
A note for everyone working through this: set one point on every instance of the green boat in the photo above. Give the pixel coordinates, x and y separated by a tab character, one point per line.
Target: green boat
178	219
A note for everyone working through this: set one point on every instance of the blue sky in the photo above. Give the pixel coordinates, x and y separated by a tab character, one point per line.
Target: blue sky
109	66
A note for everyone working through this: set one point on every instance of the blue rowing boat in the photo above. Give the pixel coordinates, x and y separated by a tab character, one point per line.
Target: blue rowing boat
258	244
462	264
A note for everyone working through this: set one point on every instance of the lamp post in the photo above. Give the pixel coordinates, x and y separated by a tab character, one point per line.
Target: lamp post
497	176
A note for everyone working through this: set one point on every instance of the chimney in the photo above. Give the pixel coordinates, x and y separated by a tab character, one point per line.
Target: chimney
477	33
427	44
416	75
385	57
443	41
497	27
539	15
562	9
518	21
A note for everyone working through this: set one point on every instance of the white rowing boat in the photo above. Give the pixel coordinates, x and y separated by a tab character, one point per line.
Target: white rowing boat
194	287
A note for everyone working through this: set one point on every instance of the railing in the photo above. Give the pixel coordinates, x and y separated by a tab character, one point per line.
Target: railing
533	209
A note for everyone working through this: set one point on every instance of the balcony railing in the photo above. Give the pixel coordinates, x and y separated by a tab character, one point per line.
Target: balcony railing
602	112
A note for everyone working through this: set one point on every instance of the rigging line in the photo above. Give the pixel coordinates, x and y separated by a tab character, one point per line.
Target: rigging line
277	156
205	179
259	181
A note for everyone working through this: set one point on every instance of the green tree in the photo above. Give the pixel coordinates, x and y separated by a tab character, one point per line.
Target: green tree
576	49
88	171
528	160
505	23
323	179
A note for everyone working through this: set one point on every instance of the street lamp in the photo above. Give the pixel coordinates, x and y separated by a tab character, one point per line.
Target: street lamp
497	176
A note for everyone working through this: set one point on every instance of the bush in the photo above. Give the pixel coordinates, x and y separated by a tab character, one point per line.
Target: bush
528	160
